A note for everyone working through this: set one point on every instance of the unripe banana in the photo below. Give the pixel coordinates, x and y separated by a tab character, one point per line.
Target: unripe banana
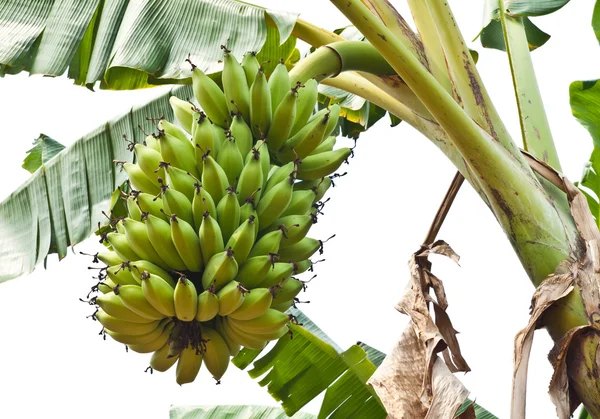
231	297
295	227
267	244
202	202
283	121
133	209
152	142
139	266
176	202
180	180
280	271
186	299
251	179
149	160
271	321
158	293
113	306
235	86
242	134
139	339
214	178
160	360
302	266
121	246
267	336
228	214
210	97
319	187
119	227
211	238
183	111
279	84
254	270
121	274
283	307
109	258
216	352
260	105
306	140
278	174
326	145
123	326
287	290
234	347
106	286
204	139
265	159
188	365
250	65
138	179
322	164
256	303
249	341
334	117
220	270
208	306
242	240
178	153
159	233
304	249
187	243
305	104
156	344
275	202
230	159
137	237
174	131
300	204
133	298
151	205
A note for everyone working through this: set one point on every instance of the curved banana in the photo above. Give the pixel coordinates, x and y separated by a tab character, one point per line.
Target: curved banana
202	202
280	271
180	180
326	145
183	111
246	340
306	140
251	178
234	347
228	214
133	209
317	186
204	139
295	226
176	202
216	351
231	297
269	322
149	160
121	246
178	153
260	105
211	238
161	361
121	274
242	240
300	204
152	142
305	104
159	234
214	178
139	266
220	269
187	243
283	120
275	202
288	290
123	326
269	243
139	180
304	249
109	258
279	84
256	303
114	307
151	205
279	174
254	270
235	85
322	164
158	293
242	134
133	298
156	344
188	365
210	97
250	65
185	299
137	237
230	159
208	306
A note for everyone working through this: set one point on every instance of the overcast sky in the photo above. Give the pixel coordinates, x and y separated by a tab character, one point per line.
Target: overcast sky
53	363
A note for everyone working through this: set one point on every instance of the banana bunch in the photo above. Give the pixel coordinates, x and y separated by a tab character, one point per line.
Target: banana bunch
218	216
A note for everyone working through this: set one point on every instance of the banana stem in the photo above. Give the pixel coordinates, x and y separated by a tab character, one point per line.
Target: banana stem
535	129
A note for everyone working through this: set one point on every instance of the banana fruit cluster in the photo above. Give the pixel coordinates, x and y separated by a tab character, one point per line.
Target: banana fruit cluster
218	216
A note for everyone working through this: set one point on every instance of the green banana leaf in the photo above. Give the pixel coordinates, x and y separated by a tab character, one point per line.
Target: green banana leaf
44	148
62	203
233	412
127	44
596	20
532	7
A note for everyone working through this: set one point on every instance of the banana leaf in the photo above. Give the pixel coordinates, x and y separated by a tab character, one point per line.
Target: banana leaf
233	412
127	44
44	148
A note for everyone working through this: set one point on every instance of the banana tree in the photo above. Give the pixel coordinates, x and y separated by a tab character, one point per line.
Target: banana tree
425	77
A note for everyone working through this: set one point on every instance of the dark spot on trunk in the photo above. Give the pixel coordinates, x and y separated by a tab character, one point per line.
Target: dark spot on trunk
503	204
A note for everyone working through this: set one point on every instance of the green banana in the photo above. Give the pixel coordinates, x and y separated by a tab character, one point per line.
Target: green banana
242	240
280	271
176	202
208	306
185	299
149	161
152	142
123	326
211	238
256	303
230	159
306	140
151	205
287	290
283	307
231	297
244	339
204	139
304	249
210	97
235	86
267	244
260	105
278	174
228	214
159	234
250	65
109	258
334	117
234	347
161	361
302	266
265	159
120	228
322	164
183	111
156	344
242	134
178	153
202	202
295	227
158	293
139	266
180	180
121	246
188	365
251	178
301	203
121	274
283	120
269	322
279	84
216	351
305	104
174	131
214	178
139	180
113	306
187	243
133	209
318	187
137	237
254	270
220	270
275	202
106	286
133	298
326	145
138	339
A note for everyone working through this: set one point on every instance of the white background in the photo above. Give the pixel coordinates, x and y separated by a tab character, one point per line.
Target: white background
53	363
